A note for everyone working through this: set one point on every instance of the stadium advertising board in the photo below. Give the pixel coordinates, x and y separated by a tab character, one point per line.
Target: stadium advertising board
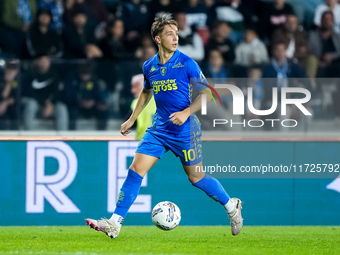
62	183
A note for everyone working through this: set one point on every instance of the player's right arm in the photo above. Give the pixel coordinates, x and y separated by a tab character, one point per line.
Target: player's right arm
143	100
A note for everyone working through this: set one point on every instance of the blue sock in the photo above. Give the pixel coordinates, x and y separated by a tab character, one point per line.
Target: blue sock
128	193
213	189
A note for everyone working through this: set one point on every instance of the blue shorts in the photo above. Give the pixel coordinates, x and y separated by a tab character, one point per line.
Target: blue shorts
187	148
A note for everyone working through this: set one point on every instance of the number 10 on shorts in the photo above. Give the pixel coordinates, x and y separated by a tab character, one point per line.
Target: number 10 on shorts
189	154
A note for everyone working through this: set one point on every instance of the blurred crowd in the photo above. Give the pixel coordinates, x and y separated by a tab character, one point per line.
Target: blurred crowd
71	59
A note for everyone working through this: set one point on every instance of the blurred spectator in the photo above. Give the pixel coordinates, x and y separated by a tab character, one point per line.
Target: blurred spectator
218	73
136	18
324	43
274	15
211	14
290	35
196	13
135	15
220	41
208	3
204	33
254	81
85	95
41	39
125	74
79	38
147	41
255	7
57	10
236	13
215	68
16	18
148	52
234	36
281	67
296	44
9	95
18	14
40	92
95	10
306	61
227	11
160	7
144	119
115	45
146	44
329	5
190	43
251	51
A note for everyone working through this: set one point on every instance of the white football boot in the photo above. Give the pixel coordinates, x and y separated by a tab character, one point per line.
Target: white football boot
235	217
107	226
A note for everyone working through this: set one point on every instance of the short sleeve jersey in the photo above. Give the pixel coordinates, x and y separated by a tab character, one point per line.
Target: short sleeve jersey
172	89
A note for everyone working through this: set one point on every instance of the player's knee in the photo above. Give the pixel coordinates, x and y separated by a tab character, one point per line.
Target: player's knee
195	176
136	169
133	167
194	179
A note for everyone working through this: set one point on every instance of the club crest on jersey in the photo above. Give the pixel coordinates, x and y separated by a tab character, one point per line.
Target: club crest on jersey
163	70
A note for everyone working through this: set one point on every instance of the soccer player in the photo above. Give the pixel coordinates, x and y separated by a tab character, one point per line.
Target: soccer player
175	127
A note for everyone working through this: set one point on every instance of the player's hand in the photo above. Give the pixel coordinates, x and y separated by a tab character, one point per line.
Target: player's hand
124	128
178	118
87	103
3	107
10	74
328	57
48	110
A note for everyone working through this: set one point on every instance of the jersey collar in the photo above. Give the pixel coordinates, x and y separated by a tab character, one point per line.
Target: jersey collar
171	60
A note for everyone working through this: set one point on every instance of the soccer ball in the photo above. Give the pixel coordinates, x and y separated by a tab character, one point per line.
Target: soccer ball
166	215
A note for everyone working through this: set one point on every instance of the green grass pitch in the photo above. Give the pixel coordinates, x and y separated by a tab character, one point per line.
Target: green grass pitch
182	240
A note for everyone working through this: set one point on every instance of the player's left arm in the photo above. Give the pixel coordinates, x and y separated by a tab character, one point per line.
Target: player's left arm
195	73
178	118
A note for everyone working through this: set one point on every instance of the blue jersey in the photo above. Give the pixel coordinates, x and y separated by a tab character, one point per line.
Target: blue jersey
172	89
